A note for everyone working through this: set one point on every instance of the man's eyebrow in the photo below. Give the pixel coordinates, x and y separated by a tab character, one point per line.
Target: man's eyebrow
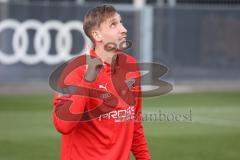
112	20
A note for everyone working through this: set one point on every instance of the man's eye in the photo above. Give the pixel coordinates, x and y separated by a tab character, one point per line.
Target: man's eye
113	24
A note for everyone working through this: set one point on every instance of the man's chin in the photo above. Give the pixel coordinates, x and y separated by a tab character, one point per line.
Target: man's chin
123	45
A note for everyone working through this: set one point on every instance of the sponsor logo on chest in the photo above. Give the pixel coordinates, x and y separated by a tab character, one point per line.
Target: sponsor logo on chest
121	115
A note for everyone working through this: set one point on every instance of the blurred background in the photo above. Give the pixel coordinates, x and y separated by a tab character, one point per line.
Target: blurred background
198	40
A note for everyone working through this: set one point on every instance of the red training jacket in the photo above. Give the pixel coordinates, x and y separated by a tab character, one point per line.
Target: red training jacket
112	135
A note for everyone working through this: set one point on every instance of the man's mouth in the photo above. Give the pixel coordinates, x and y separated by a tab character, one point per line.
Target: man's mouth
123	38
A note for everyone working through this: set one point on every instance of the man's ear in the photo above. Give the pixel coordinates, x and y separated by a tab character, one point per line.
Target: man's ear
97	36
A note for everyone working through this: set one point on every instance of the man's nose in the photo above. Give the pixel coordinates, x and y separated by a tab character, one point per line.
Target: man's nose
123	29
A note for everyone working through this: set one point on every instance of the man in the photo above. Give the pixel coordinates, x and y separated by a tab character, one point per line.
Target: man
107	134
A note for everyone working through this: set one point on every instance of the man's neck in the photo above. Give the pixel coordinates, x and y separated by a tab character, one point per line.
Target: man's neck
106	56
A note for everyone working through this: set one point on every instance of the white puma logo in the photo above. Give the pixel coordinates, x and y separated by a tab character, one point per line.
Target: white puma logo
104	87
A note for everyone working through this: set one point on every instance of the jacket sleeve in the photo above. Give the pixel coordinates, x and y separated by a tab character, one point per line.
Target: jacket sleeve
139	144
65	104
63	125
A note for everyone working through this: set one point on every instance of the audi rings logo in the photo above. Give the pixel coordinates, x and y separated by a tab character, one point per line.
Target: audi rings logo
41	41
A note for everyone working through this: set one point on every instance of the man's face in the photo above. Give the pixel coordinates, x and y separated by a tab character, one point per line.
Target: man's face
112	30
